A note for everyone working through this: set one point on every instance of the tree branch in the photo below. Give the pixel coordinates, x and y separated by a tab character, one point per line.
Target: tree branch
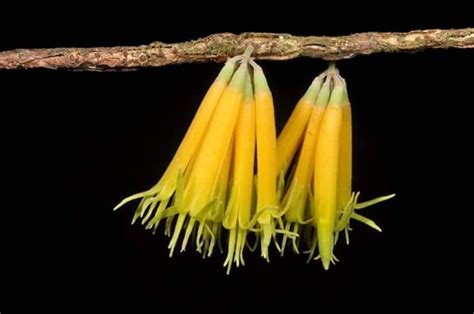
218	47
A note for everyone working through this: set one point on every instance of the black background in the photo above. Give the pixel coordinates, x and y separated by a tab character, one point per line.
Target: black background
86	140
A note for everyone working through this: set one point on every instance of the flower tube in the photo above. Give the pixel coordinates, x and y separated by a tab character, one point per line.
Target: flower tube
240	205
267	201
295	200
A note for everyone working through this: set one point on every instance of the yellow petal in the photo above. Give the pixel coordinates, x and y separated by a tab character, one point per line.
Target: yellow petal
344	191
266	144
326	175
239	207
266	159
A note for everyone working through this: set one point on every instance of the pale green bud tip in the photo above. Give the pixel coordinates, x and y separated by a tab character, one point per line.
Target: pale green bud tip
337	95
313	89
227	70
323	96
238	80
325	244
260	81
326	263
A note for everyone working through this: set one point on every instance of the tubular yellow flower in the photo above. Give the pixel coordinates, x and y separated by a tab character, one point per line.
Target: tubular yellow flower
326	174
201	183
294	202
239	207
347	200
166	186
267	201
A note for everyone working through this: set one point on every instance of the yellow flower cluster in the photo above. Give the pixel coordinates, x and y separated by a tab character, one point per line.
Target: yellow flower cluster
319	201
229	170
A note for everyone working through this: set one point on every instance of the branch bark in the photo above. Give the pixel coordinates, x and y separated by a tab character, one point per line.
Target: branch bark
218	47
